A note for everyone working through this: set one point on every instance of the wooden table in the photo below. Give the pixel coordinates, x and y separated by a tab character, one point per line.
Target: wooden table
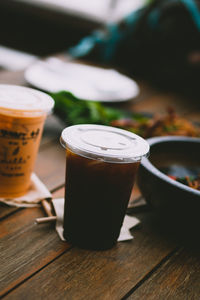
35	264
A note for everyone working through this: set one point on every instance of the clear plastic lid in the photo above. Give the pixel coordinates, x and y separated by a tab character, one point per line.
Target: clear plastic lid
13	97
105	143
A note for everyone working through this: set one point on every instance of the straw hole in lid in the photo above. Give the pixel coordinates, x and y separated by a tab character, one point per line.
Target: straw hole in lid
103	148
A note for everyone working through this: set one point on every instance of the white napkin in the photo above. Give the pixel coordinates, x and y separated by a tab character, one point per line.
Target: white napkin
125	235
37	192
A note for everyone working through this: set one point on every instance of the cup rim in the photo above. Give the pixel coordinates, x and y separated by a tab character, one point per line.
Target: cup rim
106	143
41	103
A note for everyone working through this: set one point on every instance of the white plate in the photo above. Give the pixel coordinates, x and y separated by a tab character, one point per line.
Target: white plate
85	82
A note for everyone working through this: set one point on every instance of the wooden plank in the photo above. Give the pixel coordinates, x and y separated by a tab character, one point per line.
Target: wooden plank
160	102
82	274
10	77
21	218
152	100
59	193
50	165
6	210
26	247
135	195
177	279
52	130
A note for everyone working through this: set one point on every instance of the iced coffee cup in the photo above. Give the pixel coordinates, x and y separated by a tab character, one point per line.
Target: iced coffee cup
102	162
22	115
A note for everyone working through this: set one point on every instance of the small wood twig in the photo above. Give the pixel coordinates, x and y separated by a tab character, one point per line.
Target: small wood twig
45	219
47	207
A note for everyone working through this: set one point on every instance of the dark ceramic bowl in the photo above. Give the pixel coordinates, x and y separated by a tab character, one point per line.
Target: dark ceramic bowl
176	156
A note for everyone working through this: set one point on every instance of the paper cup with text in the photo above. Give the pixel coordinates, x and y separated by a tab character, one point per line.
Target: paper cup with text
22	115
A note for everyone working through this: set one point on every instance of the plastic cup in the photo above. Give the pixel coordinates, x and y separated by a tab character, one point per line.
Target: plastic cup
101	165
22	115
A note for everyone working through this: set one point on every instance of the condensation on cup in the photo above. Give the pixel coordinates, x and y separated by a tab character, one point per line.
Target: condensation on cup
101	164
22	115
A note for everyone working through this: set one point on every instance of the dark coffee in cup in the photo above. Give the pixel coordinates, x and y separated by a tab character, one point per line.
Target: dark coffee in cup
101	166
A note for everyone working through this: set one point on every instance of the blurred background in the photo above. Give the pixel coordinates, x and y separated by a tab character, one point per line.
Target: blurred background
153	40
43	27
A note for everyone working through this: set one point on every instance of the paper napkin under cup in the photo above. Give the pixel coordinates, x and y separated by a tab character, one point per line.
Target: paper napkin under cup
125	235
37	192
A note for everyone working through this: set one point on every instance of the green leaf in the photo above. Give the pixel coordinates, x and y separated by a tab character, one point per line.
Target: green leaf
75	111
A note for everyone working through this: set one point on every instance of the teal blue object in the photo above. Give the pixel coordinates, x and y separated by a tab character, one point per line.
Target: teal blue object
153	18
86	44
108	40
190	6
193	10
117	35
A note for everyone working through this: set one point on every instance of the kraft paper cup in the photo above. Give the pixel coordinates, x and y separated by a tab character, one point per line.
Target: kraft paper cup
22	115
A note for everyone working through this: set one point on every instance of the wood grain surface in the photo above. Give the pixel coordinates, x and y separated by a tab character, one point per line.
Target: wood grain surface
26	247
178	278
35	264
100	274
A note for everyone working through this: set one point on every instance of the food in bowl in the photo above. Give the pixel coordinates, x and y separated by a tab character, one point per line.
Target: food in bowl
177	155
191	181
